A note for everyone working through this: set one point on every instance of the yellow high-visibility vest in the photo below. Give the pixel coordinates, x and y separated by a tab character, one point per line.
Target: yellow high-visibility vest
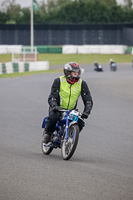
69	93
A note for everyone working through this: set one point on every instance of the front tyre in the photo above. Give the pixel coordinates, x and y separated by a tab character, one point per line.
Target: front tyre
46	148
68	146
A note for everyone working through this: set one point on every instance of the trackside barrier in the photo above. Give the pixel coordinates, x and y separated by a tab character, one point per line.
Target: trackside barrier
26	67
71	49
3	68
9	67
5	49
128	50
94	49
49	49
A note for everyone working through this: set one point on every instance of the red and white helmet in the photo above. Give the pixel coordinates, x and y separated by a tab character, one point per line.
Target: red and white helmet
72	67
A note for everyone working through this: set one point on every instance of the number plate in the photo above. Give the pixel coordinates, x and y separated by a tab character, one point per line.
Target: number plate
73	117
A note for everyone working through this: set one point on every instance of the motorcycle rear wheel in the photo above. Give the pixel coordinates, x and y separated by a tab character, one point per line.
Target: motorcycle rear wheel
68	146
46	148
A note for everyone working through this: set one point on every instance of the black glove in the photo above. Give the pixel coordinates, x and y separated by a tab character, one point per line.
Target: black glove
84	115
57	108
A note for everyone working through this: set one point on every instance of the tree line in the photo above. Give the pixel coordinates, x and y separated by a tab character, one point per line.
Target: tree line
68	11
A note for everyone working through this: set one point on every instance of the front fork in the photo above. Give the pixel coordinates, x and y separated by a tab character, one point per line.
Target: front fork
67	126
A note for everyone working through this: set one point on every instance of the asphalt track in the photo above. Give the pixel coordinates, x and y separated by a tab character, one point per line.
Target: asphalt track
102	166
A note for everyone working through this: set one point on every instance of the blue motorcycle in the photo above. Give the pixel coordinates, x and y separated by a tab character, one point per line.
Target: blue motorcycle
113	66
66	134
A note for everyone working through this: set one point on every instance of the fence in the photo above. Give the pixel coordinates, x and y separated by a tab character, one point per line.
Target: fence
63	34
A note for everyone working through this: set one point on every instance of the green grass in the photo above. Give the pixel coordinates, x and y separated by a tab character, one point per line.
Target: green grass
5	58
16	74
61	59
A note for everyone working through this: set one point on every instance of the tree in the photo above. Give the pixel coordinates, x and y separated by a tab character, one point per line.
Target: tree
81	11
110	2
68	11
24	16
12	10
128	3
3	17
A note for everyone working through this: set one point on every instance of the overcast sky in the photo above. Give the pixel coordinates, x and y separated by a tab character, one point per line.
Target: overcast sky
27	3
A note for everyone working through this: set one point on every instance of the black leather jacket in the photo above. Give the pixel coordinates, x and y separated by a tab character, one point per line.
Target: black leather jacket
54	98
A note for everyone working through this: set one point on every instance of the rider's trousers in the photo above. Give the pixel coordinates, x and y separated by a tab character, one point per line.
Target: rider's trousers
52	119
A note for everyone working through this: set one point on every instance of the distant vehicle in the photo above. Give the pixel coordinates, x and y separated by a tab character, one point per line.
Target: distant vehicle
113	66
98	67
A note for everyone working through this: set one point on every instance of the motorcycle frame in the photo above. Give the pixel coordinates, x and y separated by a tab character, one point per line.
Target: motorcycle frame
67	123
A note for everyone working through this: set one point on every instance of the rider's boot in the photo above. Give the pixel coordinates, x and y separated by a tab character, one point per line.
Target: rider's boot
46	137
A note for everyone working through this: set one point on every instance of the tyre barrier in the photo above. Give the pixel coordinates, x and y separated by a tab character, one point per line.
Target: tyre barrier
9	67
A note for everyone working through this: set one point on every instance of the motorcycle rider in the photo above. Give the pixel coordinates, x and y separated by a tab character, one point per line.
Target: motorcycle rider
65	92
113	66
112	62
98	67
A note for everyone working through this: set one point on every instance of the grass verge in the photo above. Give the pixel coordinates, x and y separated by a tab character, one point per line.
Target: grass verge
59	59
17	74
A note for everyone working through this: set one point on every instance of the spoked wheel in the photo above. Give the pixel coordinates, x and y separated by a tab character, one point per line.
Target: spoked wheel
68	147
46	148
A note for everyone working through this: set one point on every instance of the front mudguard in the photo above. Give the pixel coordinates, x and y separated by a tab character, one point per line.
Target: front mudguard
72	122
80	123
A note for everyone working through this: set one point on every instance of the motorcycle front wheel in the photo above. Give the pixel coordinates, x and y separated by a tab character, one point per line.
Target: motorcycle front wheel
68	146
46	148
113	69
